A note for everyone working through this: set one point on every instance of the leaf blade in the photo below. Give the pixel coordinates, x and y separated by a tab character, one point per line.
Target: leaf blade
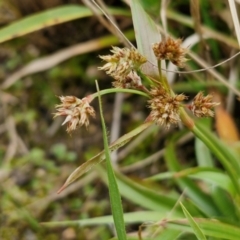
47	18
100	157
199	234
115	198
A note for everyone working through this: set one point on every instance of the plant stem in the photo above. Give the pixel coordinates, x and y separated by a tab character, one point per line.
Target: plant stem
117	90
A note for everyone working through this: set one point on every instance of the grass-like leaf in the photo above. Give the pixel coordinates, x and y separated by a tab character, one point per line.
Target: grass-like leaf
145	197
213	176
209	227
203	154
201	199
132	217
225	155
115	198
226	204
48	18
146	34
198	232
100	157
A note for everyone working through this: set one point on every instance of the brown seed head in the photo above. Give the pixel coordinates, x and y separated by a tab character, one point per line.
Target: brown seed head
132	80
164	107
202	105
171	50
122	62
77	111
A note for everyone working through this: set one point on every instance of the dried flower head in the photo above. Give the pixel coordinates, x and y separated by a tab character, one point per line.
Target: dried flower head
132	80
202	105
164	107
122	62
171	50
77	111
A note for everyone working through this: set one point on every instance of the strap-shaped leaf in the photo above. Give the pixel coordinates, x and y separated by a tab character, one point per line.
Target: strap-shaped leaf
146	34
47	18
196	229
85	167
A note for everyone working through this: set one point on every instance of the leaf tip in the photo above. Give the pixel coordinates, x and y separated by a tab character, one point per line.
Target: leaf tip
61	189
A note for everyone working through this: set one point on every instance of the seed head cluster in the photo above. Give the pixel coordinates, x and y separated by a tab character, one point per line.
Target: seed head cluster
202	105
132	80
164	107
77	111
122	62
171	50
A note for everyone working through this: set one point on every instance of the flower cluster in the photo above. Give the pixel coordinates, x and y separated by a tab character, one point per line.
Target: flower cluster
202	105
164	107
77	111
171	50
121	63
132	80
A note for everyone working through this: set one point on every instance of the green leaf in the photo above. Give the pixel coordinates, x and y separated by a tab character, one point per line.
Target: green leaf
201	199
203	154
115	198
132	217
225	155
226	204
100	157
209	227
213	176
46	19
146	34
193	224
145	197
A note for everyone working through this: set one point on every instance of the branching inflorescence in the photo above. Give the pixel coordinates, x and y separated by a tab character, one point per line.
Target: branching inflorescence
124	65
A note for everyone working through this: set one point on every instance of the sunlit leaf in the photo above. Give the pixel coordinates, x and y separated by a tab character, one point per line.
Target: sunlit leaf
146	34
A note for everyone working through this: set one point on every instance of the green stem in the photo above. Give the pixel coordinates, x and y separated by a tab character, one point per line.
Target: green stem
118	90
225	156
160	68
163	78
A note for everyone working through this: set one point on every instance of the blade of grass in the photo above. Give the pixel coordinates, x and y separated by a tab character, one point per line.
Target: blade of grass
225	203
48	18
201	199
228	158
203	154
143	196
132	217
146	34
115	198
198	232
210	227
225	155
100	157
213	176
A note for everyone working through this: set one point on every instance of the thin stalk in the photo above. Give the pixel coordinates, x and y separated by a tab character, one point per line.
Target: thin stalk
222	153
118	90
115	197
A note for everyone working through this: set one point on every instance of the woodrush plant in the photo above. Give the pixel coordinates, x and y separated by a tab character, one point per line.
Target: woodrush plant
215	209
166	108
126	67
